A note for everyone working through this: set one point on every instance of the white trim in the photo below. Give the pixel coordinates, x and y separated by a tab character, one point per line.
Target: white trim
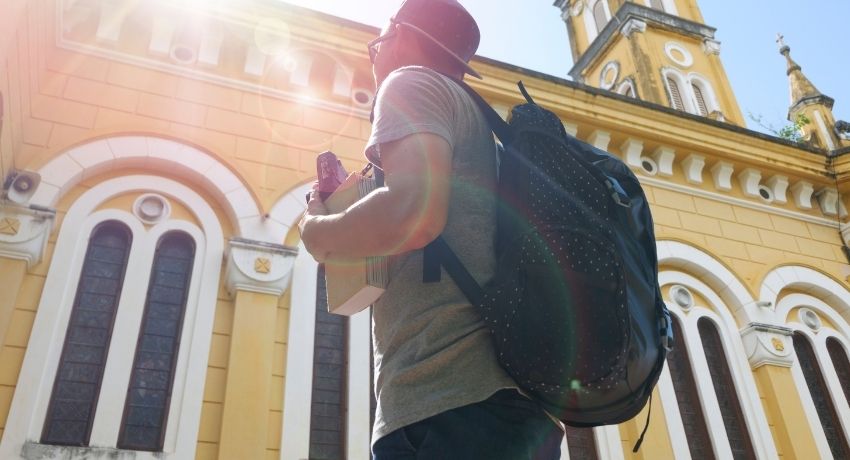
818	343
298	389
687	59
590	19
669	6
611	66
736	297
29	405
684	89
739	367
609	445
69	168
810	282
358	426
758	206
670	406
825	134
626	85
712	105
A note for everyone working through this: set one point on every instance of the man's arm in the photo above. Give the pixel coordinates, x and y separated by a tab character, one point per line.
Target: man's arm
406	214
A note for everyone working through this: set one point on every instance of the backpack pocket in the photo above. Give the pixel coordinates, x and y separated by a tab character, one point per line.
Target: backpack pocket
563	311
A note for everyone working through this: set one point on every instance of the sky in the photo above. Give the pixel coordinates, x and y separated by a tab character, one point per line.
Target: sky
531	34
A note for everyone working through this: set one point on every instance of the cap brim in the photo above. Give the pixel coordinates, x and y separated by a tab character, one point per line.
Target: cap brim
449	52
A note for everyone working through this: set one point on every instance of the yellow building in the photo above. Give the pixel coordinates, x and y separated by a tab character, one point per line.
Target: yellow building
155	301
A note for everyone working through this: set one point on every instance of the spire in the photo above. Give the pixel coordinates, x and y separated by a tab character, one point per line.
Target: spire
802	90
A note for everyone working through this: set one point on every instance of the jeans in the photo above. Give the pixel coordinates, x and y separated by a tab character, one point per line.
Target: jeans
507	426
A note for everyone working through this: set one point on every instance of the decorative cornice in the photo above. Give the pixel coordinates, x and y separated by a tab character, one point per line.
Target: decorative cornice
256	266
767	344
24	232
631	26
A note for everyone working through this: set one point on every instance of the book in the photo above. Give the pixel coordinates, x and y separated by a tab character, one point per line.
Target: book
353	284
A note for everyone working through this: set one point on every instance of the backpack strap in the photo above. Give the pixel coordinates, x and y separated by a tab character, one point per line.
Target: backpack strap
438	253
442	255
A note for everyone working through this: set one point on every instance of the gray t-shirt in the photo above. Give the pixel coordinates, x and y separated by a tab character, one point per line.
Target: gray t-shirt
432	351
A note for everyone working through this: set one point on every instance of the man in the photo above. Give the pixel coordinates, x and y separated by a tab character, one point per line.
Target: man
441	392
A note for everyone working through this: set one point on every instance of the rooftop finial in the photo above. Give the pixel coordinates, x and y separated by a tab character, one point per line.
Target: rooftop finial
780	39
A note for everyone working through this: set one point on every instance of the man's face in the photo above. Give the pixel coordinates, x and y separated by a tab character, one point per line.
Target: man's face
383	52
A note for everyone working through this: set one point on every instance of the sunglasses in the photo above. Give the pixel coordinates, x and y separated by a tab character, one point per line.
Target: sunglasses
373	45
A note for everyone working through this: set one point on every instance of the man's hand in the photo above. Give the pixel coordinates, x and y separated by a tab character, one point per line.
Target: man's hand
315	211
407	213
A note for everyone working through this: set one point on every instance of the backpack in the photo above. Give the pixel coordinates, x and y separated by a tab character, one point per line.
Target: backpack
574	308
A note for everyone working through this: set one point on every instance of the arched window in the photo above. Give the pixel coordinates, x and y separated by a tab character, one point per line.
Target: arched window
724	388
581	443
149	391
700	98
80	373
599	16
687	397
627	88
330	377
842	366
827	414
674	94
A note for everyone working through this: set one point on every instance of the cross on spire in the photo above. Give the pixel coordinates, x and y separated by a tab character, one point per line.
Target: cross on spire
780	39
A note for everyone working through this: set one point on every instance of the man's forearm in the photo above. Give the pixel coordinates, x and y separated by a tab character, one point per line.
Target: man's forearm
376	225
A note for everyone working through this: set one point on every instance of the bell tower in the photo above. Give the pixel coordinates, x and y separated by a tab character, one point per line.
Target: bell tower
658	51
821	129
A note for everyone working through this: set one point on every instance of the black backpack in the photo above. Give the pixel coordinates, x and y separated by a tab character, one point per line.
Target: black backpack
574	308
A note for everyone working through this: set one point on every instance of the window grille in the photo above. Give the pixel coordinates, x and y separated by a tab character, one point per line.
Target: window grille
842	366
687	397
701	106
152	377
821	397
675	94
581	443
724	388
80	372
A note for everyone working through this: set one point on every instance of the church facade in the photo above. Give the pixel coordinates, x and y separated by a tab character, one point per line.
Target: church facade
156	303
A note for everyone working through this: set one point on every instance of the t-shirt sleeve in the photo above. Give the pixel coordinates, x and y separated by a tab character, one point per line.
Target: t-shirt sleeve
410	102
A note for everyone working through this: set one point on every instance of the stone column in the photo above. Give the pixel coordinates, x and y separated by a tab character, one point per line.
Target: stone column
771	355
257	275
23	240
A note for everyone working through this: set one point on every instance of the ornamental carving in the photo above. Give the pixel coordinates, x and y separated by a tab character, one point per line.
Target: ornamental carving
256	266
765	344
24	232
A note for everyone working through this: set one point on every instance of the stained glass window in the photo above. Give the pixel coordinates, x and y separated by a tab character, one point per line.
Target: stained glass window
330	376
581	443
78	378
687	396
724	388
149	391
842	366
820	396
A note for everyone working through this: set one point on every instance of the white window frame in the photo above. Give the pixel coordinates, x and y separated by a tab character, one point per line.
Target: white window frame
32	394
669	6
688	98
818	341
711	103
590	20
625	85
718	312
